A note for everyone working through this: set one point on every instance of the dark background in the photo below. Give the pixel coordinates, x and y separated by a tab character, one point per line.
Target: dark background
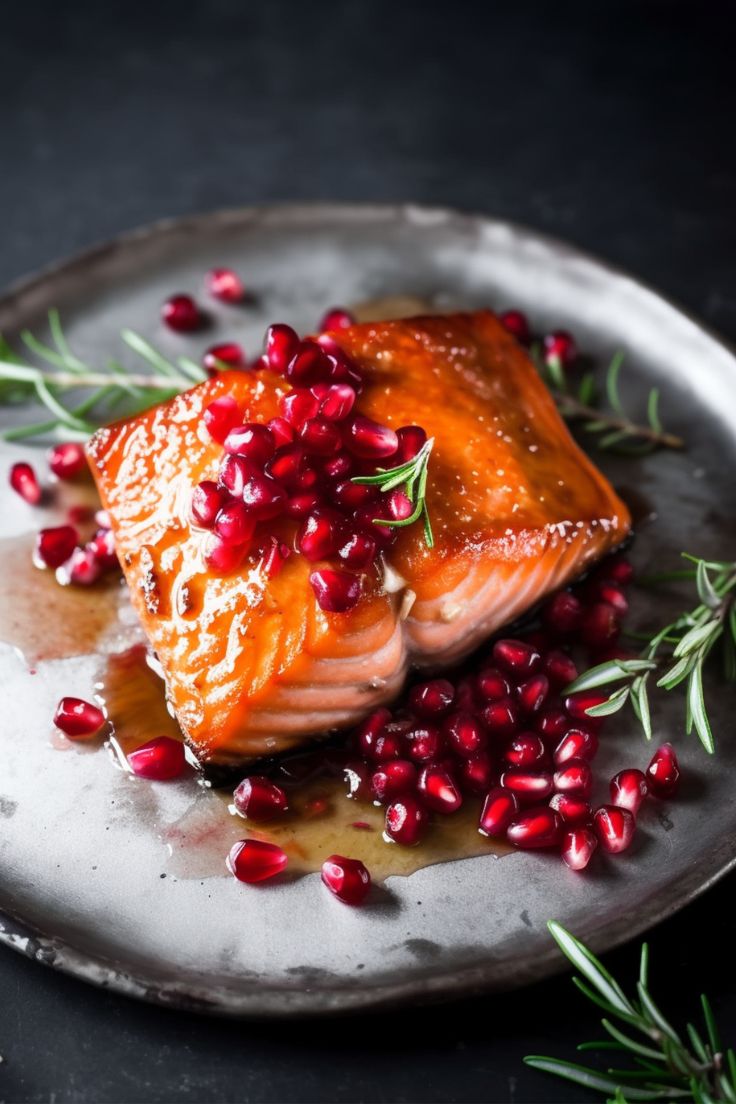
609	124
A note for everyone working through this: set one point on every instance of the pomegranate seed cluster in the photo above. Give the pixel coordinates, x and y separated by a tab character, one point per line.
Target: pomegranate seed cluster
60	547
298	468
501	734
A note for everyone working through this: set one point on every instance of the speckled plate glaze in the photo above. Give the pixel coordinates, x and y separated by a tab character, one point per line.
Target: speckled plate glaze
82	863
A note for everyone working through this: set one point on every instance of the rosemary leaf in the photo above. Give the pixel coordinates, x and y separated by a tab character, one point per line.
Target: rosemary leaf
664	1067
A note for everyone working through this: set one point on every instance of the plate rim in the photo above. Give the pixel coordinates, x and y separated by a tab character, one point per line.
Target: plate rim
434	985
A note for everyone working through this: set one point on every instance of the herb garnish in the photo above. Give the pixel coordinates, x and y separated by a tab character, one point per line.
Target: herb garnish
679	651
413	477
67	373
665	1067
615	431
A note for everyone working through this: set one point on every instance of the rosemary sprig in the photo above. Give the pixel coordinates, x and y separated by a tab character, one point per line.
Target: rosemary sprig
66	373
665	1067
413	477
615	430
677	652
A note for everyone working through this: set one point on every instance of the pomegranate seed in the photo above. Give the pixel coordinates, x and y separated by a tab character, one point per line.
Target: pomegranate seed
258	798
275	557
577	743
82	515
465	734
492	685
254	861
430	699
102	547
525	750
578	847
281	346
465	700
336	591
400	506
563	614
207	501
253	441
533	693
159	760
387	745
346	879
612	595
24	482
78	719
308	366
67	461
55	546
476	773
517	323
225	356
263	497
614	827
320	437
234	474
287	465
220	417
349	496
83	568
338	467
574	777
516	657
298	406
578	704
357	777
618	569
425	743
320	535
181	313
411	439
500	808
560	346
600	627
528	785
628	789
299	505
552	723
225	285
223	558
369	440
234	525
501	718
282	432
406	821
366	517
663	773
439	790
392	779
358	551
337	401
536	828
337	318
559	668
572	809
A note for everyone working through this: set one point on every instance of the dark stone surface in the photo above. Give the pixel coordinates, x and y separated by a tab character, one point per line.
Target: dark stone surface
608	124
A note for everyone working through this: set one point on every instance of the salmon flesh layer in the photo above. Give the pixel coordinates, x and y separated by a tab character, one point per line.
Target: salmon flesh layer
253	666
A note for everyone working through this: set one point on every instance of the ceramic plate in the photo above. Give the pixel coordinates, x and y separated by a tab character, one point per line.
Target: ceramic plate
82	864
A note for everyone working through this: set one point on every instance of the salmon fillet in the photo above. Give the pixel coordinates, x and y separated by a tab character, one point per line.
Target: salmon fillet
253	666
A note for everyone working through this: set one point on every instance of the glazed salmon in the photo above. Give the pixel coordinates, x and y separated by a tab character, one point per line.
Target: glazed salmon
253	666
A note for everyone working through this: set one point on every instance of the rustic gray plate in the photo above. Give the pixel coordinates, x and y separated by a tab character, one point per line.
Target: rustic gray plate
81	861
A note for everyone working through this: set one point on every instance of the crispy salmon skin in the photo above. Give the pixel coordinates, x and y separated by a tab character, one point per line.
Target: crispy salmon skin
253	665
